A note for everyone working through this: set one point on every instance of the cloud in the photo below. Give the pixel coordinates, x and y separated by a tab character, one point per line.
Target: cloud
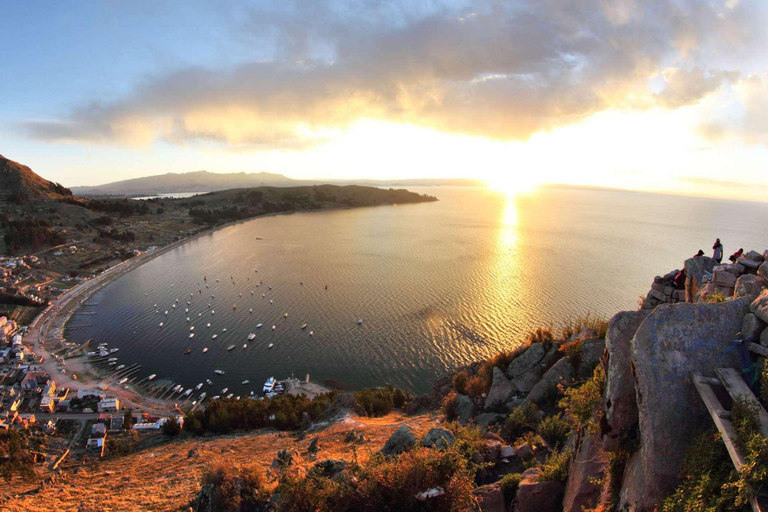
498	69
747	120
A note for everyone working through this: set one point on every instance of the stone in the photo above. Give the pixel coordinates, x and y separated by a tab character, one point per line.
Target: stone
582	492
306	421
760	306
764	338
750	265
329	468
346	402
762	270
313	446
562	371
724	279
489	418
726	291
507	452
492	451
535	496
658	295
674	341
589	356
659	287
632	485
438	438
490	498
401	441
527	361
619	396
753	256
749	286
752	326
695	269
525	452
732	268
668	291
465	407
704	292
501	390
284	458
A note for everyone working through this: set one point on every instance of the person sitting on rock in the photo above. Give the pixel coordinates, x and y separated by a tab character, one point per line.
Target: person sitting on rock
717	253
699	254
679	281
735	256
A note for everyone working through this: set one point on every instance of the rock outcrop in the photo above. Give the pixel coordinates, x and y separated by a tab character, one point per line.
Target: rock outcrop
464	408
438	438
535	496
583	489
562	371
501	390
749	286
525	370
695	270
674	341
760	306
401	441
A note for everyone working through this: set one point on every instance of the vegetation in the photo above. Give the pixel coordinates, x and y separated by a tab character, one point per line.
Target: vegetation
556	466
476	384
236	488
753	445
716	296
575	325
15	455
583	403
555	430
171	427
122	207
35	233
509	485
380	401
522	419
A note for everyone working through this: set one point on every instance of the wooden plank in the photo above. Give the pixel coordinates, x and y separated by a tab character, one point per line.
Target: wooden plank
758	349
708	380
723	425
731	379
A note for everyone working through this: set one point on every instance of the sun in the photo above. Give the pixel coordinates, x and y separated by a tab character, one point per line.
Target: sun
511	183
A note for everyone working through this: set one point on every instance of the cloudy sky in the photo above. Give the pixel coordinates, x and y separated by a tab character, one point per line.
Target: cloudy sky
667	96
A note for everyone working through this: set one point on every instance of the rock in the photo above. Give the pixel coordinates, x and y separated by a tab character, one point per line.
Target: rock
764	338
465	407
760	306
725	290
507	452
752	326
492	451
528	360
723	278
438	438
694	270
588	467
657	295
313	446
589	356
632	485
490	498
401	441
329	468
284	458
749	286
704	292
762	270
501	390
753	256
489	418
620	404
749	265
525	452
346	402
192	453
562	371
306	421
535	496
525	381
674	341
733	268
658	286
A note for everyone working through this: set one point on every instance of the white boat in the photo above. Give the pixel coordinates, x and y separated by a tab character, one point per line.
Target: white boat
174	306
113	350
311	333
192	328
250	310
111	359
271	301
187	319
224	330
209	382
224	391
203	395
230	395
216	397
274	327
269	385
218	372
198	386
161	324
304	326
192	335
113	363
212	312
214	336
270	345
271	394
259	326
285	316
188	392
270	287
230	347
186	310
208	325
246	381
122	381
205	350
360	322
251	336
245	346
152	376
120	367
166	312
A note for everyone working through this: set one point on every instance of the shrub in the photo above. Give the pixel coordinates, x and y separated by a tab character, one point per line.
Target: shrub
555	430
540	335
753	445
171	426
571	349
556	466
15	455
522	419
460	381
449	406
574	325
236	488
583	403
716	296
509	485
380	401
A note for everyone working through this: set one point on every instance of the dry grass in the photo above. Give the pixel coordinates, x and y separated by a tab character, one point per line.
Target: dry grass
168	477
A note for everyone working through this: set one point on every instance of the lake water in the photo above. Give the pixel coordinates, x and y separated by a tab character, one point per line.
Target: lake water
438	285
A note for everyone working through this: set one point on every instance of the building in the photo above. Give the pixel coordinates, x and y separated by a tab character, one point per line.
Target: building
47	404
98	430
109	405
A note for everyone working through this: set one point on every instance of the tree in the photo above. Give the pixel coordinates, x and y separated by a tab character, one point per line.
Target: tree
171	426
127	420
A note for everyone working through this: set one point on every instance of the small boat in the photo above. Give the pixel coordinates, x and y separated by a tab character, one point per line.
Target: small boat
274	327
197	388
161	324
208	325
113	363
166	312
205	350
111	359
269	384
113	350
122	381
259	326
360	322
251	336
303	326
224	330
192	328
311	333
191	335
216	397
271	394
177	300
120	367
186	310
263	295
199	314
234	306
187	319
174	306
209	382
188	392
285	316
245	346
250	310
230	347
218	372
203	395
230	395
271	301
189	351
152	376
224	391
214	336
212	312
246	381
251	292
270	287
270	345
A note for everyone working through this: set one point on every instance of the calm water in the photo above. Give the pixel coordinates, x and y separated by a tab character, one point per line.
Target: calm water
437	284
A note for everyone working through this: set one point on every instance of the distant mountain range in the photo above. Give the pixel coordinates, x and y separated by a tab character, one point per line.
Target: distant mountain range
19	183
204	181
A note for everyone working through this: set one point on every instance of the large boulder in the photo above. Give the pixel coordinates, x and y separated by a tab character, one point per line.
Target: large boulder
724	278
562	371
760	306
438	438
465	408
526	373
695	269
527	361
753	256
535	496
632	485
489	418
674	341
749	286
501	390
582	490
762	270
490	498
589	355
752	326
401	441
620	404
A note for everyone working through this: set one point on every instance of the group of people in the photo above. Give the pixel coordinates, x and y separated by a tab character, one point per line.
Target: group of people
717	255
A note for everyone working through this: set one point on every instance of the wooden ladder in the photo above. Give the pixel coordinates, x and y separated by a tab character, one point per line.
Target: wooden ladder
731	380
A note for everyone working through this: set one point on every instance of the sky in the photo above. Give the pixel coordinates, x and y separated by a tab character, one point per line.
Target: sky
664	96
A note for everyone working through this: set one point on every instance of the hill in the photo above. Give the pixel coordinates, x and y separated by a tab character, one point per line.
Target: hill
19	183
205	181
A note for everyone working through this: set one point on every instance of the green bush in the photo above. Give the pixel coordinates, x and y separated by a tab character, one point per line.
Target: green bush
171	427
236	488
764	383
540	335
509	485
753	446
449	406
585	401
380	401
556	466
574	325
555	430
522	419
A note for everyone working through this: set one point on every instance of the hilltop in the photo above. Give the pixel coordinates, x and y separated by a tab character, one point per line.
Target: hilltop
19	183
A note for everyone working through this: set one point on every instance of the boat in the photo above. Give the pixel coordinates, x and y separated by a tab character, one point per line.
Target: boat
274	327
271	301
259	326
216	397
214	336
246	381
245	346
218	372
269	384
113	350
208	325
360	322
197	388
251	336
111	359
205	350
230	347
192	328
250	310
270	345
187	319
234	306
186	310
303	326
224	391
224	330
285	316
271	394
212	312
189	351
188	392
113	363
311	333
161	324
203	395
209	382
152	376
120	367
192	335
122	381
230	395
174	306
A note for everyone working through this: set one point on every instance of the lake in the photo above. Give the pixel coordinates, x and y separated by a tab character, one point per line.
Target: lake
437	285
